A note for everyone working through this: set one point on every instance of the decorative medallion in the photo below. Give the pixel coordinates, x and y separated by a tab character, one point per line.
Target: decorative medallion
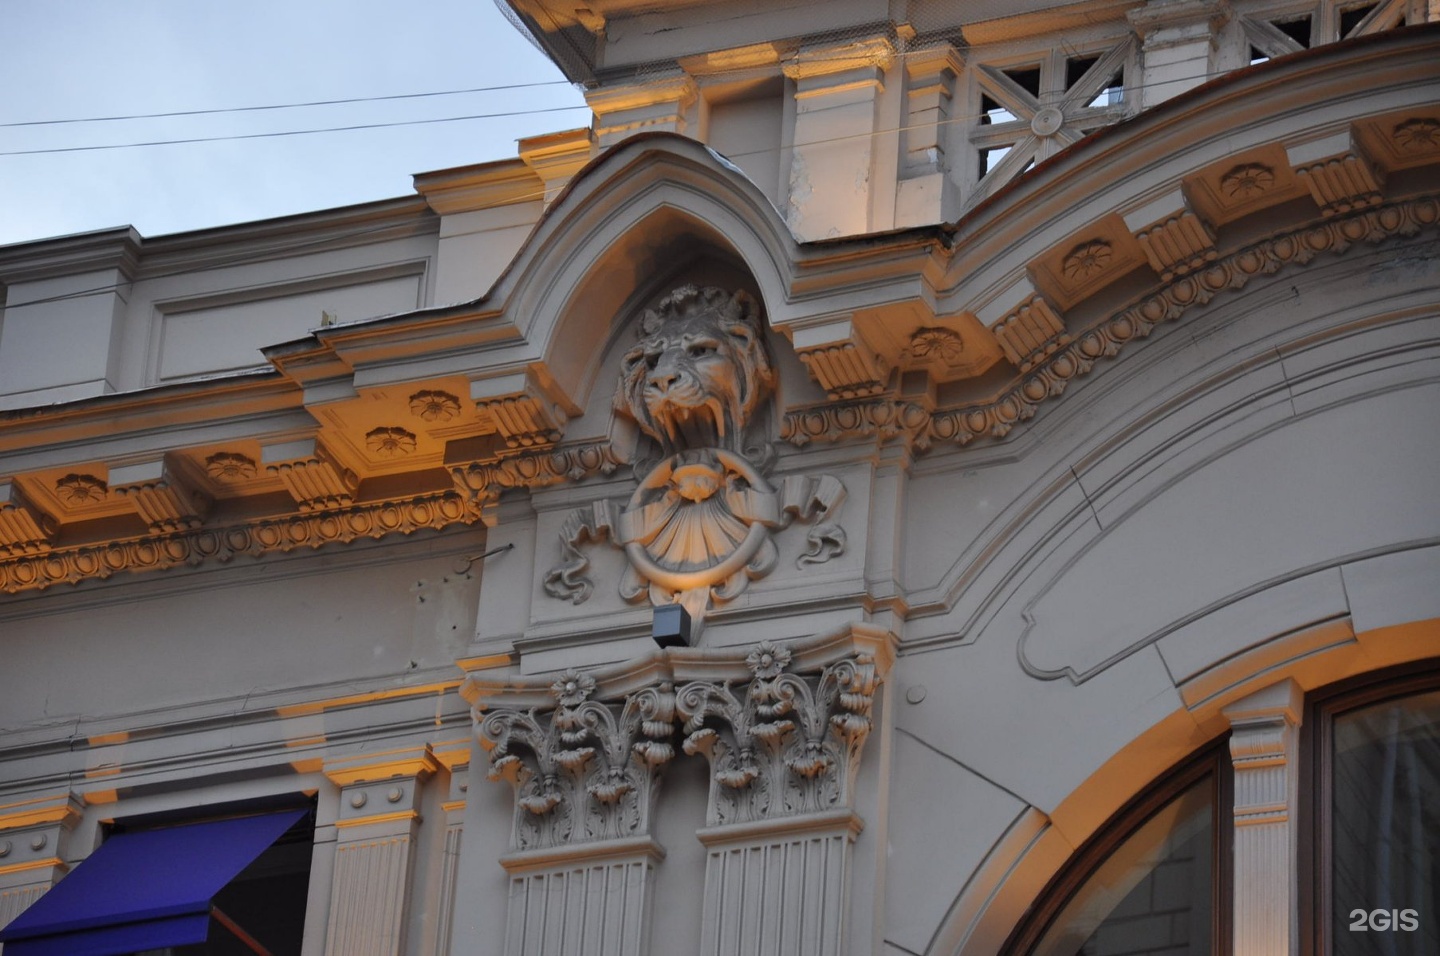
1417	135
77	490
390	442
1248	181
228	467
1087	259
939	351
434	406
699	526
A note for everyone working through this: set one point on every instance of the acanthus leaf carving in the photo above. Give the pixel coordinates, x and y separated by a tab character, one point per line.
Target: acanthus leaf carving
787	744
587	771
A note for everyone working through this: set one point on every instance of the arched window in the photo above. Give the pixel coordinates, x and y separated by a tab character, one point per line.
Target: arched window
1374	871
1146	883
1158	879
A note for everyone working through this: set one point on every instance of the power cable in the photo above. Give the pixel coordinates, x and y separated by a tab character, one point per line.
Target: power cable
285	106
291	132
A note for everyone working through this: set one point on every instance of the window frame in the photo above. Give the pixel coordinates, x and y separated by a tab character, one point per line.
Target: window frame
1314	859
1212	760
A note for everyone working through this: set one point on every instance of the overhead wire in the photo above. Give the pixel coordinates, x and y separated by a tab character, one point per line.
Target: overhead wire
286	106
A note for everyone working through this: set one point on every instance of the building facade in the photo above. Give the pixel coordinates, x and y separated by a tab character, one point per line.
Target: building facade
908	478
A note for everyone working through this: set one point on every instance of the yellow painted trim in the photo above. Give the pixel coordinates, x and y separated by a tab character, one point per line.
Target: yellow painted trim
377	818
47	862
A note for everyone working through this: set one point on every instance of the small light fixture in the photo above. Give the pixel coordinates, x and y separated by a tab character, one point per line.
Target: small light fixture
670	627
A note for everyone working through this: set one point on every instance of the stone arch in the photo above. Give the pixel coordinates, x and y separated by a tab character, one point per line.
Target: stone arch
1024	860
619	225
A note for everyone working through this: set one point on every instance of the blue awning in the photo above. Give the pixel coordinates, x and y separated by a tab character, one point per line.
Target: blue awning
143	890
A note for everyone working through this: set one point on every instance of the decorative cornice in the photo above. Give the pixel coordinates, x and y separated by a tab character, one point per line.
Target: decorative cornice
879	419
1177	245
482	482
23	529
193	547
889	417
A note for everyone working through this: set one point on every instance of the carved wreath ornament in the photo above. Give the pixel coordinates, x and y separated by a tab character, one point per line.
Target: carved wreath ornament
700	524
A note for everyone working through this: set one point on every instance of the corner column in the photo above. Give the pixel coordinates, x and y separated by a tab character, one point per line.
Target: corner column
1264	743
377	822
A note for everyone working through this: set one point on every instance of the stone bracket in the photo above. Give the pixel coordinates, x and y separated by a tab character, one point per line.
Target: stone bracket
1340	175
527	408
24	530
839	359
164	500
1030	332
313	477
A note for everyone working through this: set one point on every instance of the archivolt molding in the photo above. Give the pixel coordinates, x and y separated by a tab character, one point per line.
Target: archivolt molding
894	418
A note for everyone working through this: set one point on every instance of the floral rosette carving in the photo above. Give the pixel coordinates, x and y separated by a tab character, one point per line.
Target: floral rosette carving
787	744
586	773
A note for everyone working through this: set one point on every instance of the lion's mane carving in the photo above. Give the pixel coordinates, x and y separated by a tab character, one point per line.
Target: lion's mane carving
701	523
699	371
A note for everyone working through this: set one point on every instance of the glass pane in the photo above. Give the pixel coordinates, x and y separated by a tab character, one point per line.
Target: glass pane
1385	818
1154	895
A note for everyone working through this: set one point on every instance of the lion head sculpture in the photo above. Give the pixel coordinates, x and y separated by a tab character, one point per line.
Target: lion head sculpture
699	371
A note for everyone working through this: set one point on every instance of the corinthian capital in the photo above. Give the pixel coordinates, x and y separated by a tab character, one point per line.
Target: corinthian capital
786	744
586	770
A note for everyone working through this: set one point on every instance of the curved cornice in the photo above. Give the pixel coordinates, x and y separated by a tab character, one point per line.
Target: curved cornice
1325	130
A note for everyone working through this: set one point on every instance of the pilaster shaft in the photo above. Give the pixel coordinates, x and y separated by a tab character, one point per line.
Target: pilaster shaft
32	850
780	889
594	902
832	165
1264	740
782	766
377	823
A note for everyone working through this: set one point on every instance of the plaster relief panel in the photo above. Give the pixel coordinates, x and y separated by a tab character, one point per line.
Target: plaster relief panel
704	516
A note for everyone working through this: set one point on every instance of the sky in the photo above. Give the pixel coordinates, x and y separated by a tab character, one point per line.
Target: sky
81	59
